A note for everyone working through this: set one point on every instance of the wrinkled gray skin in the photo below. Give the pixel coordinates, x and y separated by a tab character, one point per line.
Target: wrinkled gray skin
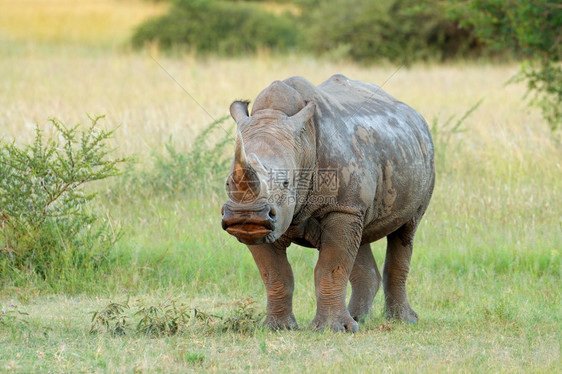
383	154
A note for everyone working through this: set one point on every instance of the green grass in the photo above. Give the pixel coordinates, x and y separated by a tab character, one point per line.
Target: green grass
485	274
487	294
454	335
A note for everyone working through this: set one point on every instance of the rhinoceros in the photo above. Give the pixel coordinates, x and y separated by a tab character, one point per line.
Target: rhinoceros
334	167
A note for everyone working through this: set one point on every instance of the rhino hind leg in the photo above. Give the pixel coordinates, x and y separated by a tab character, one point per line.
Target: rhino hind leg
365	281
395	272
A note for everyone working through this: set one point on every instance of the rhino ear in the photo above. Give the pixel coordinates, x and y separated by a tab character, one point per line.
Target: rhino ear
239	110
300	119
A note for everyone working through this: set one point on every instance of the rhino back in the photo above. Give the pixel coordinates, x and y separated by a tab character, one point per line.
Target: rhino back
380	147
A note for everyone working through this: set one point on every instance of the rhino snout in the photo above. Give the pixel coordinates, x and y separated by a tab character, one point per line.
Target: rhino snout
249	224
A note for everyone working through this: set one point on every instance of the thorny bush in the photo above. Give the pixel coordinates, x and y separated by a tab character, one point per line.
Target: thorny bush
47	224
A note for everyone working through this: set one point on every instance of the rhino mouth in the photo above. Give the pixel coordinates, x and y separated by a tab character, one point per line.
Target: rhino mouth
248	228
250	225
250	233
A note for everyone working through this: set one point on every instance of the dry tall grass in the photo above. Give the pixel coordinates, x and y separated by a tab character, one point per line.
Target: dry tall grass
41	80
506	153
136	93
94	22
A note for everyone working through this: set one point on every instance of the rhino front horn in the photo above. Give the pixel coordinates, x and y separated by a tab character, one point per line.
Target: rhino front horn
240	160
245	186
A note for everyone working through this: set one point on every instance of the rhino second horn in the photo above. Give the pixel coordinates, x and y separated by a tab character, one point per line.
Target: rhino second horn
239	110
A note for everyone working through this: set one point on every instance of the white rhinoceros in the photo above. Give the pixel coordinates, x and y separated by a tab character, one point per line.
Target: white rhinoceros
333	167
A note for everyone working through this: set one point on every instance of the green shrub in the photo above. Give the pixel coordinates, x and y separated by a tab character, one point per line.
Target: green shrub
47	225
396	30
530	29
219	27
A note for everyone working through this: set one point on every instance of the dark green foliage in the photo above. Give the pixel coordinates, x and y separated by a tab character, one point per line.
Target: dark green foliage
217	26
46	222
531	29
527	27
396	30
363	30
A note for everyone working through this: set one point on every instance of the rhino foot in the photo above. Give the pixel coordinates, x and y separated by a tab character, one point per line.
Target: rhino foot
281	323
403	313
342	323
359	314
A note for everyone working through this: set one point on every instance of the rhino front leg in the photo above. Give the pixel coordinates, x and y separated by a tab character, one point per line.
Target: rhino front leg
395	272
341	234
365	281
277	277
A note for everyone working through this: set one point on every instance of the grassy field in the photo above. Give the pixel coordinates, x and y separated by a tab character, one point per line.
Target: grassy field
485	274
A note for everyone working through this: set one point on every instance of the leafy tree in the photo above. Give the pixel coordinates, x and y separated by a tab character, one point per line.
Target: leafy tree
528	28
